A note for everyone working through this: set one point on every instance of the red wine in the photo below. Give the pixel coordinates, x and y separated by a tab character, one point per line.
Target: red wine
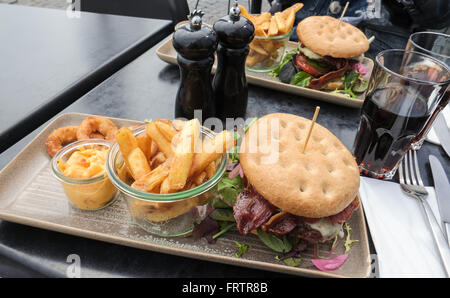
391	119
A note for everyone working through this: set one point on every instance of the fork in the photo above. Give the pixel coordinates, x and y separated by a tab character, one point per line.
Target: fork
412	185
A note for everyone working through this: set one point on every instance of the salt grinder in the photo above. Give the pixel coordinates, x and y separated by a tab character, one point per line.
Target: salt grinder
195	44
234	32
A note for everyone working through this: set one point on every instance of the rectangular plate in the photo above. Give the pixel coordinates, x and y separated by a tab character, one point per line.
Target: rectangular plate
167	53
30	195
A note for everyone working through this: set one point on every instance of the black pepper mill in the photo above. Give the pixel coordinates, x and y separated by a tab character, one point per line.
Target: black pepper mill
195	44
230	84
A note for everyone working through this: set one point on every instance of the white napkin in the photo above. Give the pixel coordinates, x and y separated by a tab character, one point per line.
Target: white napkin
431	136
400	230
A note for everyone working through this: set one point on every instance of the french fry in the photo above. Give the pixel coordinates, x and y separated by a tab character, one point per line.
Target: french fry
245	14
200	178
153	179
260	32
145	143
138	163
281	23
184	154
267	26
253	58
212	149
153	149
264	26
273	28
124	174
190	184
210	169
167	121
296	7
263	20
166	130
258	48
158	159
290	19
178	124
126	140
269	46
165	186
163	145
133	156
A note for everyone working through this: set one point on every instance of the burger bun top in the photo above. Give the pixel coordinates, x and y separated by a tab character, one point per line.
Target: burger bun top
325	36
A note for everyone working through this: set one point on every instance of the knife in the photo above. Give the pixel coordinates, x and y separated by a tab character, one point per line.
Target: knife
442	188
442	133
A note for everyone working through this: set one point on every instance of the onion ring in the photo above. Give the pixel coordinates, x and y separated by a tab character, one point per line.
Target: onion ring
59	137
97	124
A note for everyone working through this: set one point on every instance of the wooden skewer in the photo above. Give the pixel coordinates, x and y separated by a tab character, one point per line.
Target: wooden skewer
316	113
342	15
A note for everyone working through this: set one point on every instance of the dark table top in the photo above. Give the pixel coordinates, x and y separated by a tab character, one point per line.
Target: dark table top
49	60
146	88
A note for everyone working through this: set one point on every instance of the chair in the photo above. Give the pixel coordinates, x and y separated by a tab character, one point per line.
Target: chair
175	10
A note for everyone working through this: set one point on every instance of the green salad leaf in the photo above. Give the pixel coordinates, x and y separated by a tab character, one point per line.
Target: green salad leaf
288	57
226	182
316	64
223	214
278	244
301	79
293	261
348	241
224	227
360	86
350	78
234	152
242	249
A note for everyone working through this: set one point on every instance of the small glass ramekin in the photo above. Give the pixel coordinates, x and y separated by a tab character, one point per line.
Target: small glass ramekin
266	53
167	215
85	193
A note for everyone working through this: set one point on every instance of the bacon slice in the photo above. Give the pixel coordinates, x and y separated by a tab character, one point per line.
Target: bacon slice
251	210
345	214
331	76
281	223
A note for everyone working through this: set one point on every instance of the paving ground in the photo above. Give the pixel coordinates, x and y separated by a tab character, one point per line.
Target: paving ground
213	9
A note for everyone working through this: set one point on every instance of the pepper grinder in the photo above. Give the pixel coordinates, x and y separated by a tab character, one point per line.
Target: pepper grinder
230	84
195	44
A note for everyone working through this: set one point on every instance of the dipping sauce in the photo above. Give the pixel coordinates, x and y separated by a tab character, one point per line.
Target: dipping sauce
81	168
85	163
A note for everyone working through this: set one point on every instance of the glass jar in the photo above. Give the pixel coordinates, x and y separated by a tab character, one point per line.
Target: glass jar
167	215
92	193
266	52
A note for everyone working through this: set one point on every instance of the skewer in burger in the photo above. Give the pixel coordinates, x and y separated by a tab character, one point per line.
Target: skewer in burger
307	196
330	56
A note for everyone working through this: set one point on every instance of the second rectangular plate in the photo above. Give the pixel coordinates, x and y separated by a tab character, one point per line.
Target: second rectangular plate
167	53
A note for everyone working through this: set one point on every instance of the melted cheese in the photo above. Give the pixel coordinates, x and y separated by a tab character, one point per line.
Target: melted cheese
308	53
328	229
311	55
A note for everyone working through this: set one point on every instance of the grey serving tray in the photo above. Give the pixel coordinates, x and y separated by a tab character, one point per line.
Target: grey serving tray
30	195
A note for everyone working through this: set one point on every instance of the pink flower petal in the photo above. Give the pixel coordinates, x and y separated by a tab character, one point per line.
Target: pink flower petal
361	68
241	171
235	171
330	264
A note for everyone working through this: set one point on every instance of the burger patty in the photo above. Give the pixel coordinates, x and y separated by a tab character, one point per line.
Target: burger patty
253	211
